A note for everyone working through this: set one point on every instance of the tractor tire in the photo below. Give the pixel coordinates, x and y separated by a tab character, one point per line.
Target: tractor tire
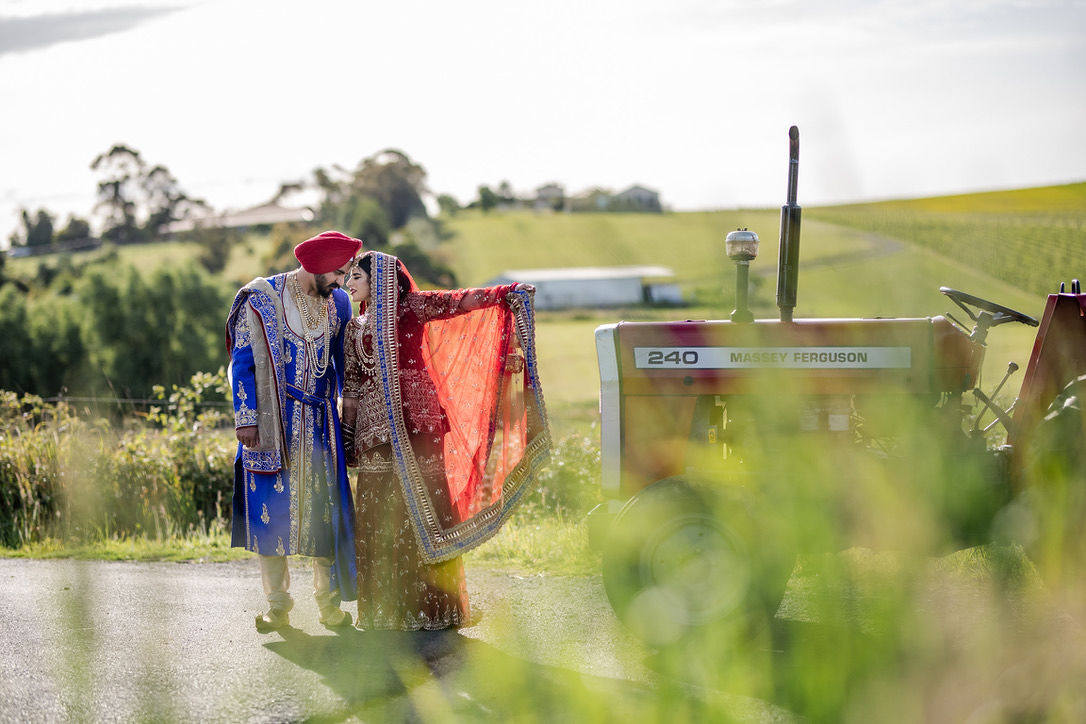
675	562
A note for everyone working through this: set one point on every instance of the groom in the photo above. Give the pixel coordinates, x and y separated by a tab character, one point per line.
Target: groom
284	336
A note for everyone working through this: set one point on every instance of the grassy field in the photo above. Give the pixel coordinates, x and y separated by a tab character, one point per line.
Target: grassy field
146	257
242	264
1031	238
213	547
545	544
692	244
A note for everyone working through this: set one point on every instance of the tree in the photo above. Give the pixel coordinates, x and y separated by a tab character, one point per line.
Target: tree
487	198
423	267
41	346
396	182
142	332
165	201
138	201
333	191
76	229
121	168
37	229
382	194
448	204
215	244
16	353
366	220
5	279
505	193
281	242
58	349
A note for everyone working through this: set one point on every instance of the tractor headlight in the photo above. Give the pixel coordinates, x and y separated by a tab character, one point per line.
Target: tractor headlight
741	245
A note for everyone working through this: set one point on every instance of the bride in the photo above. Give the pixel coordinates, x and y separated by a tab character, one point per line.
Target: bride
443	417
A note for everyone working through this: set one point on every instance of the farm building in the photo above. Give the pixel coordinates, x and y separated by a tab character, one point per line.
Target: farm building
596	286
550	196
636	198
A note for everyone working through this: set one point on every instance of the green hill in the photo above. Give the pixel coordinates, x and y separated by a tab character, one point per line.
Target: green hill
1030	238
846	269
690	243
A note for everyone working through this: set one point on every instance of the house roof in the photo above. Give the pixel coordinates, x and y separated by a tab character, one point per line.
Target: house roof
587	273
637	188
269	213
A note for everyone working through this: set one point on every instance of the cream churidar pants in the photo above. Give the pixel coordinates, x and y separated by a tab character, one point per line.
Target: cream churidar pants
276	577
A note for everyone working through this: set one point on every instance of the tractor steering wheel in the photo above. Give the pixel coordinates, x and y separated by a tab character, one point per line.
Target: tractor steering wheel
999	313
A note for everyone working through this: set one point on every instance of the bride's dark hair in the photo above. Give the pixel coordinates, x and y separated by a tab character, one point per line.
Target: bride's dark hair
366	264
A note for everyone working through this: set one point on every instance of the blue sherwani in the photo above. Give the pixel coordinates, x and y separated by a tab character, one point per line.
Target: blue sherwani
291	496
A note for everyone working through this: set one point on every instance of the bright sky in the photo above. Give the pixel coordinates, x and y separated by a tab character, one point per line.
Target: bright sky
691	97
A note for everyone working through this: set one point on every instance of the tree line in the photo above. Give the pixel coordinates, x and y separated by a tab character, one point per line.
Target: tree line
553	197
135	199
103	330
89	324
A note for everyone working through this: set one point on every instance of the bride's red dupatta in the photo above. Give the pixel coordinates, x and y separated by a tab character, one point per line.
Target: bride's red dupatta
484	368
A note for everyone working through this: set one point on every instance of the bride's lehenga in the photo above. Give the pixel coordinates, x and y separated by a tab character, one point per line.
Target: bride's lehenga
397	587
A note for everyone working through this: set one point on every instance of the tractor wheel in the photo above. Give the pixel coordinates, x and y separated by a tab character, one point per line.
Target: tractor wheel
676	561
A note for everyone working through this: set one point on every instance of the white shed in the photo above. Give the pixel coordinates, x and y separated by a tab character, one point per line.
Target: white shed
595	286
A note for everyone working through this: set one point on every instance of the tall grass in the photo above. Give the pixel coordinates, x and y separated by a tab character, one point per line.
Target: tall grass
161	487
64	477
924	577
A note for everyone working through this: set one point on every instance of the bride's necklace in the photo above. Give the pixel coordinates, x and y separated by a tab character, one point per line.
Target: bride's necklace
317	323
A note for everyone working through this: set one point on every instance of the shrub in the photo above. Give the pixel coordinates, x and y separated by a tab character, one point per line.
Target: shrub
31	435
61	477
569	484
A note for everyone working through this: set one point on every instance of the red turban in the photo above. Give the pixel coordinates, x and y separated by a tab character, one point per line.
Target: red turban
327	251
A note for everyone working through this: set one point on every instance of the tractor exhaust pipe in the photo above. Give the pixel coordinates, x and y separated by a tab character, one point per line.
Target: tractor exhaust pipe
788	261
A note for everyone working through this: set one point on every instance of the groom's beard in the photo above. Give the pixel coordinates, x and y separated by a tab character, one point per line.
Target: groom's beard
324	286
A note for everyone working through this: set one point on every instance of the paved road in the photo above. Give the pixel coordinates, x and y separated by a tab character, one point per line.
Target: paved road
117	641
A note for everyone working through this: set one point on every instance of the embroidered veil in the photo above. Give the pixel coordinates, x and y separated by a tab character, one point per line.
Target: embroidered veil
484	368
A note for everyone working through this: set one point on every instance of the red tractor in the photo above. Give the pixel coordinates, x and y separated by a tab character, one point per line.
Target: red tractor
715	434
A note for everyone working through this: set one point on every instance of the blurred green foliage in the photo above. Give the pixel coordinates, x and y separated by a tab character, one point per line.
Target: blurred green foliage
925	575
100	329
568	486
146	332
66	474
76	479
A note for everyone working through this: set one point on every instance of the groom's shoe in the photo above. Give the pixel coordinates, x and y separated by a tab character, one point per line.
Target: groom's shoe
273	620
334	617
